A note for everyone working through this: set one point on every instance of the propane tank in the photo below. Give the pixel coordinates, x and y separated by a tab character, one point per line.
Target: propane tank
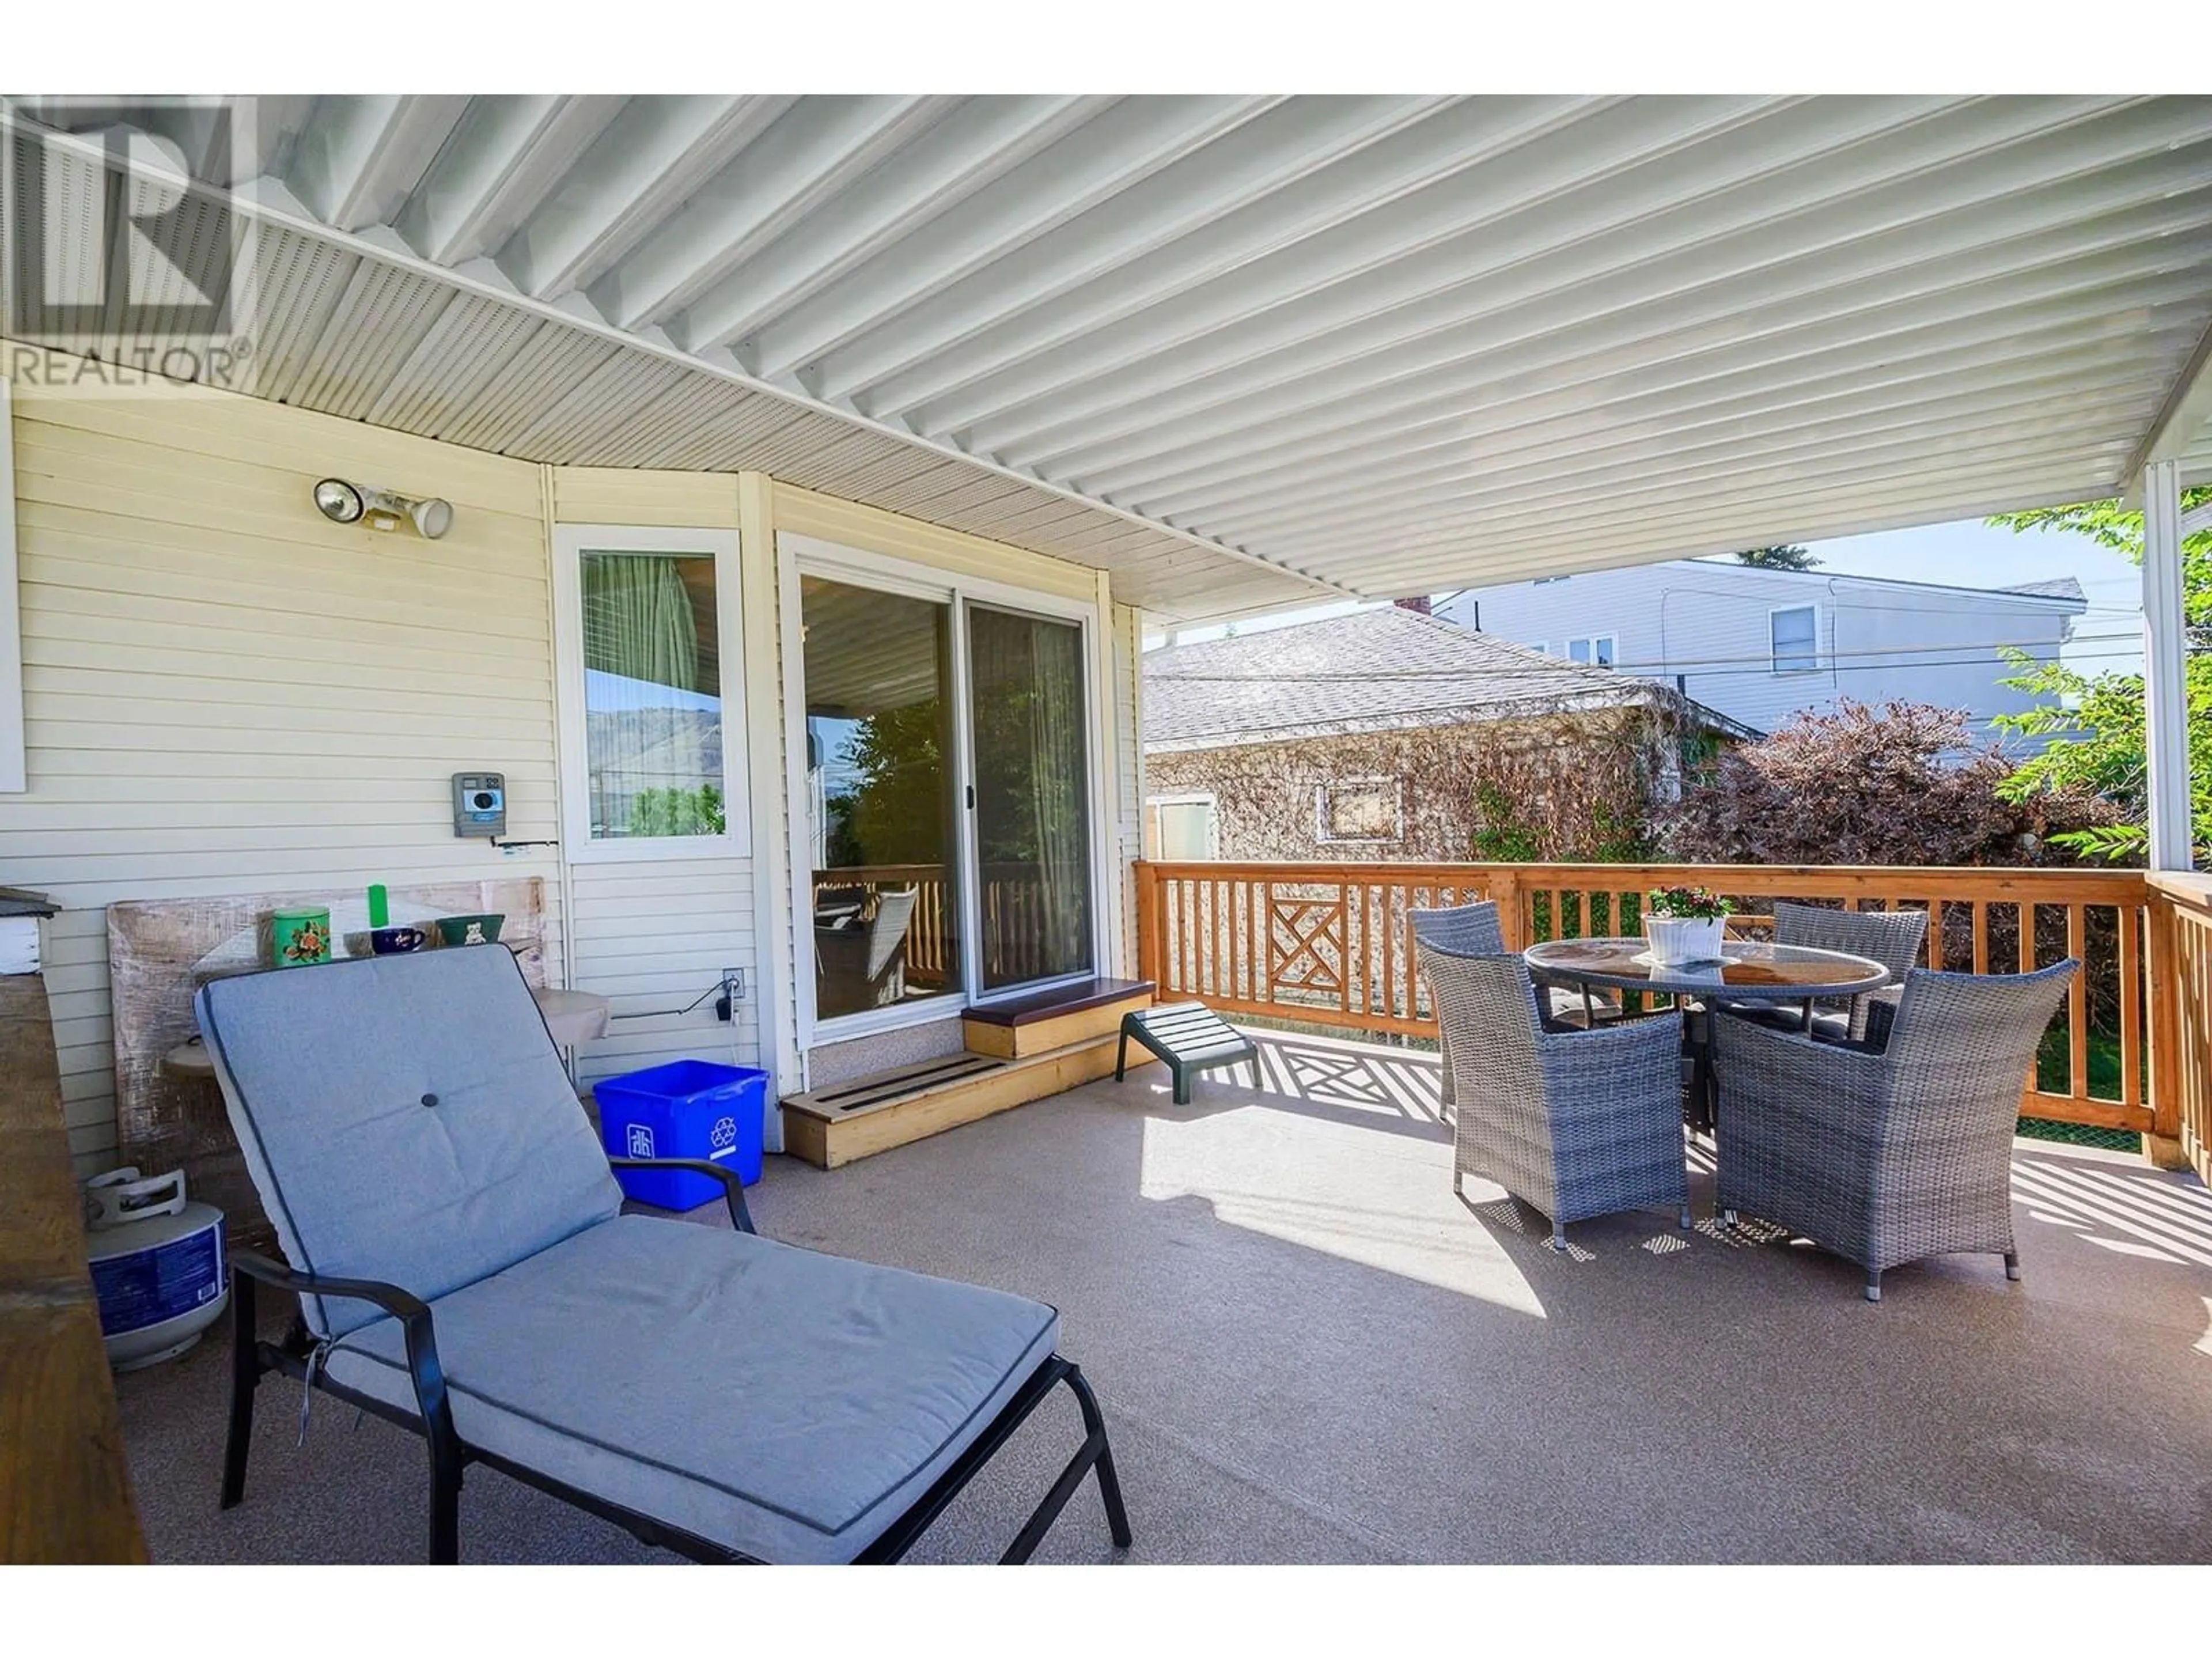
157	1263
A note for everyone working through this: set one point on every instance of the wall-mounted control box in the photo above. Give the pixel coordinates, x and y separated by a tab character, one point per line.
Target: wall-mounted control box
479	803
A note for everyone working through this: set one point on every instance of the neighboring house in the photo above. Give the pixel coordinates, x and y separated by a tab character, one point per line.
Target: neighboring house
1390	734
1760	646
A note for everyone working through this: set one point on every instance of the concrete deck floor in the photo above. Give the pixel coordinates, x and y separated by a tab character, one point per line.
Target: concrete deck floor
1310	1351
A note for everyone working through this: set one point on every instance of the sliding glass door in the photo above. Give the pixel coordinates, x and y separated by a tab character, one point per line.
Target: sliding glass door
882	809
1032	816
948	794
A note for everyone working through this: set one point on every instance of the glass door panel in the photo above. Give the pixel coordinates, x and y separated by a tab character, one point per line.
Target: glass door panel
882	805
1032	796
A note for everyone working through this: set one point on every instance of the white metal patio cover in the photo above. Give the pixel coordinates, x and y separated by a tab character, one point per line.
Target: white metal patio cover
1241	351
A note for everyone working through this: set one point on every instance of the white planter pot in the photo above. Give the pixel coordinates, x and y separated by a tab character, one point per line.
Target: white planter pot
1675	940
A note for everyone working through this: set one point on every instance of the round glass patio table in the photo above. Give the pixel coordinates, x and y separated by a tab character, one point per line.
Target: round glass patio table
1749	971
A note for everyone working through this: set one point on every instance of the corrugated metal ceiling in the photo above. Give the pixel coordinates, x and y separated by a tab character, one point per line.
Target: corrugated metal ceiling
1385	344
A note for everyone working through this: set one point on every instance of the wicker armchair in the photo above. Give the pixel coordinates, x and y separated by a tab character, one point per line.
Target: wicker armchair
1472	930
1893	937
1464	930
1575	1123
1886	1153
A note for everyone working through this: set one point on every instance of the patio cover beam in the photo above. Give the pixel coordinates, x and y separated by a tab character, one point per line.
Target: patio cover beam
2166	649
2183	417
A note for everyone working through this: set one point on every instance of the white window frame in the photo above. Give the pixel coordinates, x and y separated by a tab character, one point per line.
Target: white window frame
1189	798
1542	646
1321	812
1612	645
570	543
1774	656
799	555
14	779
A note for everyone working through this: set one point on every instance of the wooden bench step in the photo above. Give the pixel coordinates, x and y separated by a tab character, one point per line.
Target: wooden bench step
857	1118
1052	1019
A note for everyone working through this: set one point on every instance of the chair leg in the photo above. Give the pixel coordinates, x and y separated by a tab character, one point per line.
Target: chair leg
1121	1059
1109	1483
2012	1264
445	1514
1559	1236
1684	1222
245	1378
1874	1287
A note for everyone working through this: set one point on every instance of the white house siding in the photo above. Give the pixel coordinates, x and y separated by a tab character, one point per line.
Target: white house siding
1708	623
1129	728
225	692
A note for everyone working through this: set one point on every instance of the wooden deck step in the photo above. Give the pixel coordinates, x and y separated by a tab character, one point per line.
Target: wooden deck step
834	1125
1052	1019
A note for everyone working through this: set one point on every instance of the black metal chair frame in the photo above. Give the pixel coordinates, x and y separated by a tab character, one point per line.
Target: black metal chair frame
252	1358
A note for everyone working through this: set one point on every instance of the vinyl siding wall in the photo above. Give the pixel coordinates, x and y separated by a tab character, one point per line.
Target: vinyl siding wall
1708	621
226	693
1129	735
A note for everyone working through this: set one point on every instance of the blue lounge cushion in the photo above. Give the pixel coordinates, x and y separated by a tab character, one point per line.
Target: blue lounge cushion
405	1118
788	1404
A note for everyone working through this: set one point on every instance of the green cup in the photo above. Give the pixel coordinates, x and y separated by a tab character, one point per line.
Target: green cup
298	938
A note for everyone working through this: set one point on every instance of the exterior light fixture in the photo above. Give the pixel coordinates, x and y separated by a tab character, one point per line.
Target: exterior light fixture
339	501
382	509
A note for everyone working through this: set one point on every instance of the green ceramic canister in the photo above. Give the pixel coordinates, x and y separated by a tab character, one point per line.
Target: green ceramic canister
297	938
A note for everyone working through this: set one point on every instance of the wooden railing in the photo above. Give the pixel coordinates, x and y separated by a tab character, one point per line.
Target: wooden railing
927	934
2181	1024
1332	945
1013	926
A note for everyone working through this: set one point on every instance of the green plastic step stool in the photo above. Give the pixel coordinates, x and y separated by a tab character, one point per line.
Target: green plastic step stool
1189	1036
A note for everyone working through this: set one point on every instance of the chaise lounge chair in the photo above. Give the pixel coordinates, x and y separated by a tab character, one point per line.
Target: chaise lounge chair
464	1270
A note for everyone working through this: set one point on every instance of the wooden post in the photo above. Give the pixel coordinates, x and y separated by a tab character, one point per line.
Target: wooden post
1148	922
2168	1068
1504	885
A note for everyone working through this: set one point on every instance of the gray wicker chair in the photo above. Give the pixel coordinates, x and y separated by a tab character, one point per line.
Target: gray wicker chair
1473	930
1893	937
1575	1123
1886	1152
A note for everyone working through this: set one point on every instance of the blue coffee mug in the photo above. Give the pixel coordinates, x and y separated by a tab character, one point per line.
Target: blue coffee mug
396	941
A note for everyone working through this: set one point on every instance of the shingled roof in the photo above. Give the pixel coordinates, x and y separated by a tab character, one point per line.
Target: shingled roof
1373	671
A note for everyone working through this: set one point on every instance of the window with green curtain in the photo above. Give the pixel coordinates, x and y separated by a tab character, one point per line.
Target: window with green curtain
653	702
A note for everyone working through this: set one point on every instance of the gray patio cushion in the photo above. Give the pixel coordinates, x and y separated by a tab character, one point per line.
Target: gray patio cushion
418	1112
788	1405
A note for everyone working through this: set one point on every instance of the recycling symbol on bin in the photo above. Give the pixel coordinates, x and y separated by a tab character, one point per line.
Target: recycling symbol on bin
724	1133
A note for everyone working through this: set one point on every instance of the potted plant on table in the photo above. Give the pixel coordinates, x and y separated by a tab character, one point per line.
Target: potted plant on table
1685	924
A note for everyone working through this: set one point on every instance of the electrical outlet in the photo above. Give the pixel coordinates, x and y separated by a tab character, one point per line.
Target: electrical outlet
734	988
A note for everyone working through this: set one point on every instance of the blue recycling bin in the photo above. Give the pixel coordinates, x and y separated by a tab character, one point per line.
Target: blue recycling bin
686	1109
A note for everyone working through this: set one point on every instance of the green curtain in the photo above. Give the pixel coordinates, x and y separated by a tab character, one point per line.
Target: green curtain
1056	781
1032	796
638	620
